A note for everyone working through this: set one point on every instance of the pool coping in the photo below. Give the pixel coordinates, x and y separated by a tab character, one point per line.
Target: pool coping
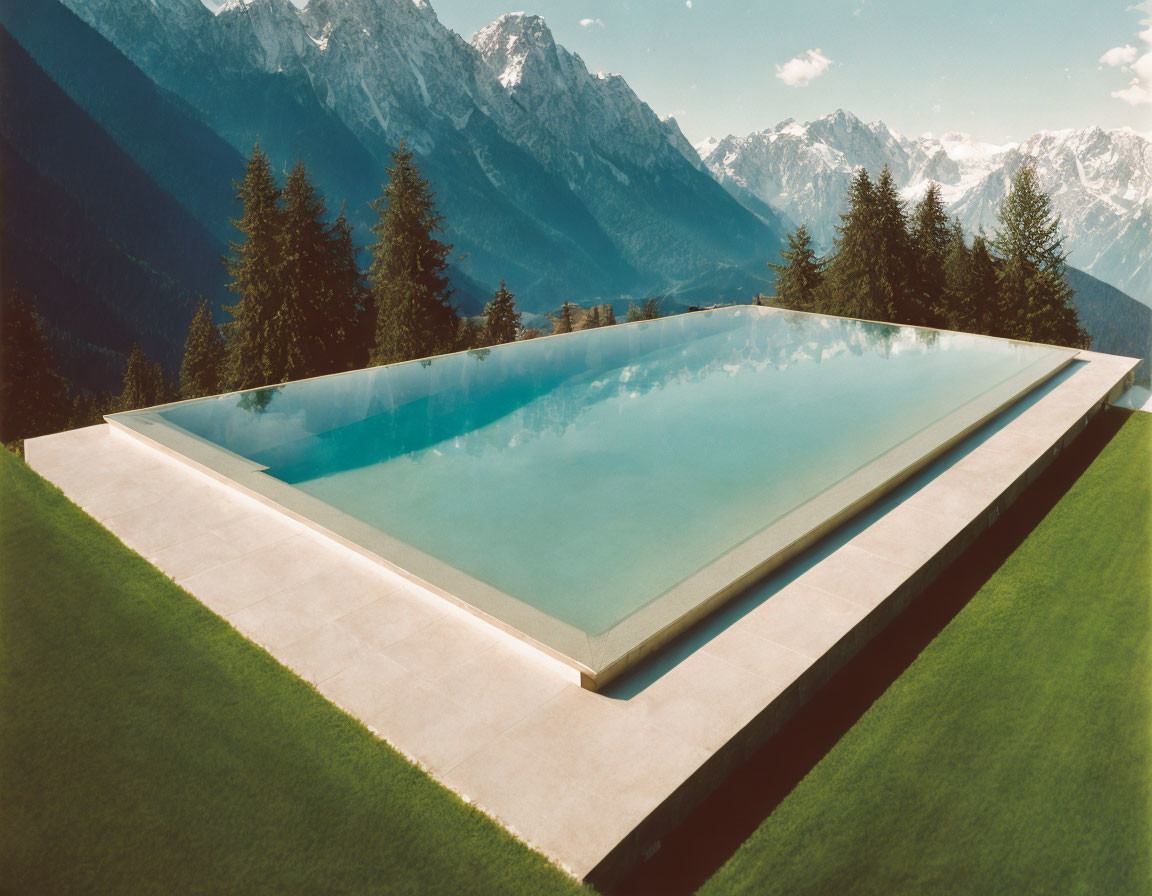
596	660
591	780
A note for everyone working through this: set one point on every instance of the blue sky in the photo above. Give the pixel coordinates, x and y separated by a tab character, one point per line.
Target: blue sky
998	70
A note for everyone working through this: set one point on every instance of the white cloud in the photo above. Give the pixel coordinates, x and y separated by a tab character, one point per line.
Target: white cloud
800	70
688	3
1119	56
1139	89
588	23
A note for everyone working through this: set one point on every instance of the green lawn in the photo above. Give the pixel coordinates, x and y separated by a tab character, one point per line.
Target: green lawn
146	747
1015	754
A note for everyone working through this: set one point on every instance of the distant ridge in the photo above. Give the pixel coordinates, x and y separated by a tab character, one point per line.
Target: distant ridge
1118	324
1100	182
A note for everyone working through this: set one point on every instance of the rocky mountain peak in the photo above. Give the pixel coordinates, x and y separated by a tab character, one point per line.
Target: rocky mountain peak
268	32
517	46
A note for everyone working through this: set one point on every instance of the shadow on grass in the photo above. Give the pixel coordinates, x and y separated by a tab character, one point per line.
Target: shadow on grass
709	836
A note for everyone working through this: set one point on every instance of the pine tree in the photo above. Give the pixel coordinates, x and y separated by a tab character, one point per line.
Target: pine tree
350	319
983	294
144	383
847	290
302	334
564	322
89	408
203	356
254	264
501	319
591	319
653	308
954	309
892	256
970	291
609	316
931	240
33	394
316	328
633	314
869	277
798	279
469	335
1034	293
414	317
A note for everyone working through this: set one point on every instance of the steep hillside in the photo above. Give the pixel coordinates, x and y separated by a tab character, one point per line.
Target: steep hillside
1119	325
109	257
161	133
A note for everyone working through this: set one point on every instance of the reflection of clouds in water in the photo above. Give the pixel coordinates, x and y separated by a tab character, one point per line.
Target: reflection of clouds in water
501	399
770	344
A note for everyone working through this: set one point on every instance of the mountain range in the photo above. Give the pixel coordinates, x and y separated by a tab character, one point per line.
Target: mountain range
561	181
1100	182
133	118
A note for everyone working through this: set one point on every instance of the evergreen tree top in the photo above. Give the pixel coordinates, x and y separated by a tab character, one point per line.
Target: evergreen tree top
408	219
932	230
1029	230
799	247
259	193
798	279
502	320
414	317
299	193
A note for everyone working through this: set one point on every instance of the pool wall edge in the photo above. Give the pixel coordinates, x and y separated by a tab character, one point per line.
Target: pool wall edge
617	667
645	838
571	669
580	666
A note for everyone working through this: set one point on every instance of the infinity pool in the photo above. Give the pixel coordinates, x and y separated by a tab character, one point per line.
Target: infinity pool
592	492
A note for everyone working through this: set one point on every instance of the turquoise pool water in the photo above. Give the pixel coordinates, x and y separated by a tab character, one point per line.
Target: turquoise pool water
588	475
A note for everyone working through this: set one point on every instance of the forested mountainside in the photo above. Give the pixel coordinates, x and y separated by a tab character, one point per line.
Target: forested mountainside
108	256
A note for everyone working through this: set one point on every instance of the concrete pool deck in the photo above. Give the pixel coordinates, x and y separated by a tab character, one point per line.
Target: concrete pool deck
591	780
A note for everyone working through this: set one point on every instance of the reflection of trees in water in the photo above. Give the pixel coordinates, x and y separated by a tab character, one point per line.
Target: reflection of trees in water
479	408
927	338
256	401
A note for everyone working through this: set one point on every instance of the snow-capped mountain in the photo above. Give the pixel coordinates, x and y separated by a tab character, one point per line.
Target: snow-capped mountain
1100	182
1101	186
561	181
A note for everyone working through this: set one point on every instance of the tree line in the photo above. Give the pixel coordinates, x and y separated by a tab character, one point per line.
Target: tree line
304	307
917	268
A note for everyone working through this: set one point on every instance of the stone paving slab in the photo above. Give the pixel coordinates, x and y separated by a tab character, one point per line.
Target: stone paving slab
592	780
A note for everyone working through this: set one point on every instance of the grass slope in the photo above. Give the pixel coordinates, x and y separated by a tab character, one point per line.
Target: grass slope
1015	754
145	746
